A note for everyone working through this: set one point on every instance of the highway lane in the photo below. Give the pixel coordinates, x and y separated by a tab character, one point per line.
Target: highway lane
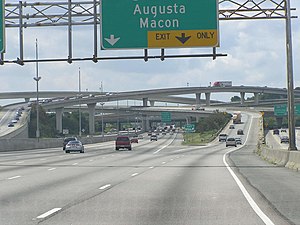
159	182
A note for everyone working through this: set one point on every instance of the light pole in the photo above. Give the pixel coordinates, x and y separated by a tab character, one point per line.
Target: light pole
102	123
79	97
37	79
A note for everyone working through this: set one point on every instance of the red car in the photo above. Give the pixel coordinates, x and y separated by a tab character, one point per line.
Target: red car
123	142
134	140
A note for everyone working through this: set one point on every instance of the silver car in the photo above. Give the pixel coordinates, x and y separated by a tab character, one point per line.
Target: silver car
74	146
230	142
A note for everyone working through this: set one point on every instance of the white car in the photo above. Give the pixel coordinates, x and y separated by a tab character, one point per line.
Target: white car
230	142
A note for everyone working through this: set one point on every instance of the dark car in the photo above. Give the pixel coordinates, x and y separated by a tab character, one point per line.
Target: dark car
123	142
153	137
74	146
66	140
284	139
240	132
276	131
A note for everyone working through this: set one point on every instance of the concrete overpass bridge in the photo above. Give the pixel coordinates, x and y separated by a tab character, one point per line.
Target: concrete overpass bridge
61	100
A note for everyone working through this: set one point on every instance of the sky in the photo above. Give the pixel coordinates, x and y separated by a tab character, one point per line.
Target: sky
256	56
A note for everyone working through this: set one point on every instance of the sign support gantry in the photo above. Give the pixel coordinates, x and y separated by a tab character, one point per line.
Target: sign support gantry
24	15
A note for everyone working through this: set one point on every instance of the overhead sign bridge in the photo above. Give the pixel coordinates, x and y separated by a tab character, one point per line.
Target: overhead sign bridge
164	25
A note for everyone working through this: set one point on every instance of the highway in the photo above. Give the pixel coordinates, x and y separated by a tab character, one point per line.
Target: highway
159	182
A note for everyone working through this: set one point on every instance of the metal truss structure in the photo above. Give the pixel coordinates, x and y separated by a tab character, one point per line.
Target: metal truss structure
24	15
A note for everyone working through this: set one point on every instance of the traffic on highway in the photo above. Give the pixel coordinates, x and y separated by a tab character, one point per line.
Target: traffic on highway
149	182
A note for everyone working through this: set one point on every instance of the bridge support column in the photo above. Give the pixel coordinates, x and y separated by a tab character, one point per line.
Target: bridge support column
242	98
91	108
198	100
207	98
27	99
145	123
152	102
59	116
256	101
145	102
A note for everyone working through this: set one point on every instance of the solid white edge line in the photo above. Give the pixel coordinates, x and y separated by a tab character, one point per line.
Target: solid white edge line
246	194
46	214
15	177
52	169
134	174
105	186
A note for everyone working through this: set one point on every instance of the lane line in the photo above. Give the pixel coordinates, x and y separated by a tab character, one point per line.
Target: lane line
50	212
52	169
163	163
20	162
105	186
12	178
74	164
246	194
157	151
134	174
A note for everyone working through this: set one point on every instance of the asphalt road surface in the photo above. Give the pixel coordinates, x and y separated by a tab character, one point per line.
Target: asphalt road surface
160	182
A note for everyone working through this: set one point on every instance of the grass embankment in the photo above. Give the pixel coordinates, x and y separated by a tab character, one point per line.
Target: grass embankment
199	138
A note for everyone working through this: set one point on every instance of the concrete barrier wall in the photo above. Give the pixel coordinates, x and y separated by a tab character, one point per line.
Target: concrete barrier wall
294	160
274	156
18	144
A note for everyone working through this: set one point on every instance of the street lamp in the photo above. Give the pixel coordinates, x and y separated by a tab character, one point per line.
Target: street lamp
37	79
102	124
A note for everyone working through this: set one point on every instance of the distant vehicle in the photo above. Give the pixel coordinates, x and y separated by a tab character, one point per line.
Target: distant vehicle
222	84
123	142
230	142
284	139
171	133
10	124
231	127
163	133
153	137
66	141
222	137
14	121
283	131
134	140
140	136
237	117
240	132
74	146
149	133
238	141
276	131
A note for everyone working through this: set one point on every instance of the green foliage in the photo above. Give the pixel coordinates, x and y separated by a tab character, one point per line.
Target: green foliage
46	125
214	122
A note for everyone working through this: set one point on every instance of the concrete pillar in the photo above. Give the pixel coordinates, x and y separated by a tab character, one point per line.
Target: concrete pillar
198	100
152	102
145	102
91	108
146	124
59	116
256	101
242	98
27	99
207	98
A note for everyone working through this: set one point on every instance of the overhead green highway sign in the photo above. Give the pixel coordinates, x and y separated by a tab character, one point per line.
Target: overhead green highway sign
281	110
2	27
129	24
165	117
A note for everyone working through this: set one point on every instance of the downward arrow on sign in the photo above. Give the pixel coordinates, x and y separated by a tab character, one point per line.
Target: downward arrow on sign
183	38
112	40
